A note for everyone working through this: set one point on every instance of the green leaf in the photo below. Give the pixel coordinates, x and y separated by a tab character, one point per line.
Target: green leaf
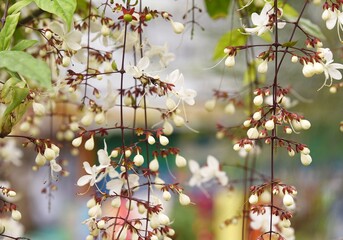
16	108
31	68
232	38
5	95
15	8
289	44
23	44
63	8
289	12
217	8
311	28
18	95
8	30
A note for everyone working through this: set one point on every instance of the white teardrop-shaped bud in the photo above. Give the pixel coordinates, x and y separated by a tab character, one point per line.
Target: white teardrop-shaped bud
95	211
163	219
306	159
178	120
89	144
49	154
294	59
257	116
258	100
164	140
40	160
91	203
263	67
127	153
38	109
288	130
184	199
180	161
166	195
48	34
115	153
101	224
210	105
77	142
326	15
151	140
291	153
247	123
167	128
305	124
269	125
100	118
138	160
66	61
16	215
154	165
252	133
288	200
141	208
308	70
116	202
253	199
177	26
87	119
230	108
236	147
230	61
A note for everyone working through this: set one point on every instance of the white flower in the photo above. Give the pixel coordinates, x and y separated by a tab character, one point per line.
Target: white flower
262	221
10	153
330	68
332	17
92	176
184	95
196	179
11	227
55	168
162	53
71	39
137	71
115	185
261	22
212	170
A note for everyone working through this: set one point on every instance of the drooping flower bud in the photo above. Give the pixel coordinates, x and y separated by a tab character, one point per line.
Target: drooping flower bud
180	161
177	26
252	133
269	125
49	154
288	200
263	67
40	160
151	140
253	199
89	144
138	160
154	165
166	195
164	140
306	159
258	100
210	105
77	142
16	215
184	199
230	61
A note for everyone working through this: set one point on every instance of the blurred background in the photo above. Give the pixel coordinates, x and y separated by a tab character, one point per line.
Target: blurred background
319	202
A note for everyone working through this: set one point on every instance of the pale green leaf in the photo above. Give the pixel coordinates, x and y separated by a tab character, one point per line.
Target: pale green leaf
8	30
217	8
289	11
24	44
15	8
311	28
31	68
289	44
232	38
63	8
